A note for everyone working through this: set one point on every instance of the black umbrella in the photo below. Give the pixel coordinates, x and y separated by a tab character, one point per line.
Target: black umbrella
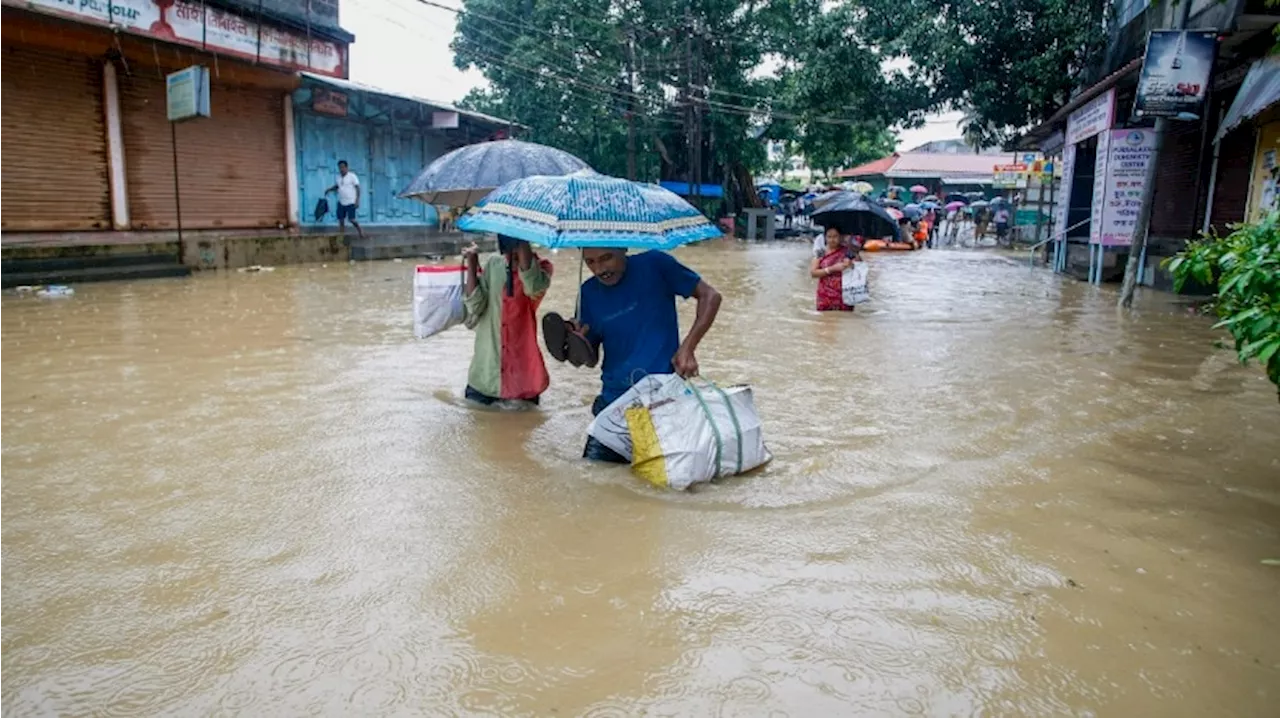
465	175
957	197
854	214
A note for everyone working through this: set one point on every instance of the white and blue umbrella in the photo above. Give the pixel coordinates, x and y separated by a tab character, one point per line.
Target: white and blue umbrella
585	209
465	175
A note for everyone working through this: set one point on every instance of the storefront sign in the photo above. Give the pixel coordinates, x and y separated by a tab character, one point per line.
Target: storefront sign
1175	74
1010	176
187	93
329	102
208	28
1097	205
1129	155
1063	202
1092	117
444	120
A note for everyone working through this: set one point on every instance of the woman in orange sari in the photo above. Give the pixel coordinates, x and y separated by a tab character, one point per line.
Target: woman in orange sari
828	269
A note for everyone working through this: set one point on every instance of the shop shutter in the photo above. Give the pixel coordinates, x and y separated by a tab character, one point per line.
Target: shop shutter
1235	170
55	146
231	165
1173	215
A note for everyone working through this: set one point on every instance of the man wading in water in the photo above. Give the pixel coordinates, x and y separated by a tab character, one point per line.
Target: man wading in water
628	308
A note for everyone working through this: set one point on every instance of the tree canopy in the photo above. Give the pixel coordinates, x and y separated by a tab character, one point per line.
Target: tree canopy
698	86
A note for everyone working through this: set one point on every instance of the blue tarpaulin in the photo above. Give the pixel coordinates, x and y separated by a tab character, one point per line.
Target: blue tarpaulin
684	189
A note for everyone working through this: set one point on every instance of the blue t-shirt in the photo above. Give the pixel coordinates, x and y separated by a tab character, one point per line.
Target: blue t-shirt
634	321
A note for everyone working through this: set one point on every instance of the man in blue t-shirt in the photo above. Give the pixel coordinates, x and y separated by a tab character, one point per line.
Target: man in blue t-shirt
628	308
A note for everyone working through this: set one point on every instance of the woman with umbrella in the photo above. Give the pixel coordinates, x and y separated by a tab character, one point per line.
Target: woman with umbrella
501	306
829	271
501	301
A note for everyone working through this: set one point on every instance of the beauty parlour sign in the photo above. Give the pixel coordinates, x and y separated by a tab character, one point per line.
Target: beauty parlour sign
203	27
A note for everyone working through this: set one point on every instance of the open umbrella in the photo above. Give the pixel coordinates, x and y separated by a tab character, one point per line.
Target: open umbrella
978	205
891	203
585	209
998	200
863	187
897	214
930	198
953	206
912	212
853	213
463	177
827	197
919	189
928	205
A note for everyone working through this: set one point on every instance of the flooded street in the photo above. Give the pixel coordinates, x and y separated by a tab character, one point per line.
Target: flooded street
258	495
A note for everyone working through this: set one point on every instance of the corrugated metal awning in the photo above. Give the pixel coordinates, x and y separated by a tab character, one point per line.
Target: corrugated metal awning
974	179
1261	89
353	86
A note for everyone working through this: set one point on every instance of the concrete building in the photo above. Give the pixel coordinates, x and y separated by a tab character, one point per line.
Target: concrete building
1212	169
95	175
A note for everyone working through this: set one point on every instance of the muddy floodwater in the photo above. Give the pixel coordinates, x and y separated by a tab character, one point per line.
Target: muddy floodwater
258	495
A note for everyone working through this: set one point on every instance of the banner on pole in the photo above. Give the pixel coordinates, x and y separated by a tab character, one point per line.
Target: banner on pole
1175	74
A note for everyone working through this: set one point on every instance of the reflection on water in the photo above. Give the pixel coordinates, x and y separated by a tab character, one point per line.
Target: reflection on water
258	495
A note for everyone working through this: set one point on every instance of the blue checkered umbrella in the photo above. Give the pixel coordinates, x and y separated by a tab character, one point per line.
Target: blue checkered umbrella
585	209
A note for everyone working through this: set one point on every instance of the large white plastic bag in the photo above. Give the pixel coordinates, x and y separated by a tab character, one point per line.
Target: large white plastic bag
610	426
437	299
853	284
697	436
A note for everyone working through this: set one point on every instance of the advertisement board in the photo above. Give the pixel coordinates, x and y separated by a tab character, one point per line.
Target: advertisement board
1175	74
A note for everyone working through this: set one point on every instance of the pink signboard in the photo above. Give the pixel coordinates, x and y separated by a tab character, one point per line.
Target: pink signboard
207	28
1091	118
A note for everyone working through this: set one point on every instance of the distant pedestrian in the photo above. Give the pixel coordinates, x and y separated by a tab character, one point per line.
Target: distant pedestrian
348	189
1002	222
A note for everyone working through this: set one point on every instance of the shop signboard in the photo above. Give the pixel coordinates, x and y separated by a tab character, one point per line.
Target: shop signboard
1175	74
1097	205
329	102
187	93
208	28
1091	118
1064	192
1010	176
1129	154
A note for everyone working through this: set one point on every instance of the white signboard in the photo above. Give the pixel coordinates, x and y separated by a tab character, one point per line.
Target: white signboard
187	93
1093	117
1131	153
1099	187
208	28
1063	197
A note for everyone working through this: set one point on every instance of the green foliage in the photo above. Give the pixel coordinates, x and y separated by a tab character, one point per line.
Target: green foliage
1008	63
1246	268
573	70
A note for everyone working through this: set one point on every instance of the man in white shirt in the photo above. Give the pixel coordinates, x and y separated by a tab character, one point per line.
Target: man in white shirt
348	189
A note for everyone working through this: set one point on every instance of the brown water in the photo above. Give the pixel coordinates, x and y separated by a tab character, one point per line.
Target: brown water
256	494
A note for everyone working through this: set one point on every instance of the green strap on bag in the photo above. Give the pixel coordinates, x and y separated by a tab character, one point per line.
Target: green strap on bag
733	416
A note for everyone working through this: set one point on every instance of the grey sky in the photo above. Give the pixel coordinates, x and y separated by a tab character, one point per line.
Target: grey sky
403	45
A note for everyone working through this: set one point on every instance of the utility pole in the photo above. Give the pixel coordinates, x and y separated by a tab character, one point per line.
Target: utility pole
1138	248
631	104
688	99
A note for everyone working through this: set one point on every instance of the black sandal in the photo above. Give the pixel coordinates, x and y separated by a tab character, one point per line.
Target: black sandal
581	353
564	344
555	332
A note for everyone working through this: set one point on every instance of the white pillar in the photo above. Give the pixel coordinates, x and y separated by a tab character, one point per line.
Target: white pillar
290	160
115	148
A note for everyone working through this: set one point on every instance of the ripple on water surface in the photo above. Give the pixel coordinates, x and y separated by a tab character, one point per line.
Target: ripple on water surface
257	495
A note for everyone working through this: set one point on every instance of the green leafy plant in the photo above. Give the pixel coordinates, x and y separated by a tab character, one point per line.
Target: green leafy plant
1245	266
